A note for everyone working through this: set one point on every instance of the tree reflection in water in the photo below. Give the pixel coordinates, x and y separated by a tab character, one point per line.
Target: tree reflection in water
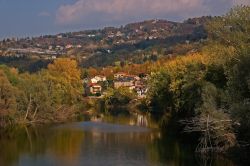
97	143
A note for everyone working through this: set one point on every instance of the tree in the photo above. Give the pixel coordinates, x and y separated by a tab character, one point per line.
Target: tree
118	97
66	68
7	100
229	47
212	123
229	51
216	75
64	80
34	98
159	94
231	29
216	134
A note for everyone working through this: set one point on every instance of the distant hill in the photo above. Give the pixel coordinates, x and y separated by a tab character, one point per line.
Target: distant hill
132	43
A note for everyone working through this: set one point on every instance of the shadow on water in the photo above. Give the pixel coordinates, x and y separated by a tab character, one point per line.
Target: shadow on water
121	140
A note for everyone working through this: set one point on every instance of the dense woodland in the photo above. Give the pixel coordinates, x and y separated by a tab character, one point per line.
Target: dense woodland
206	93
209	92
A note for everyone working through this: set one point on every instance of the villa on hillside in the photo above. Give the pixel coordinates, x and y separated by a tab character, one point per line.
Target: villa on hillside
132	82
95	85
98	78
95	89
120	75
124	82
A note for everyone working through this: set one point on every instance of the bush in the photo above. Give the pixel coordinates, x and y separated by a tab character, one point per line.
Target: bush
118	97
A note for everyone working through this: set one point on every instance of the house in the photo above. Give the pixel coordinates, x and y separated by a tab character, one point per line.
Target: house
98	78
109	51
59	47
120	75
141	91
124	82
119	34
91	35
150	37
95	89
135	77
69	46
132	82
140	87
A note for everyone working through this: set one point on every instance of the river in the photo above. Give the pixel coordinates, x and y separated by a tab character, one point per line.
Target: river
99	142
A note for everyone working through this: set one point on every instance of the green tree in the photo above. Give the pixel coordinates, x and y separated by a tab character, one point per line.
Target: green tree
118	97
159	94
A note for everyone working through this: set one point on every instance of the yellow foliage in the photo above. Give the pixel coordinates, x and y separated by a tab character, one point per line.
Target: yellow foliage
172	64
66	68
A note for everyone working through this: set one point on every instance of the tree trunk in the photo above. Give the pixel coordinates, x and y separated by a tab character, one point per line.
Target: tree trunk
28	108
33	117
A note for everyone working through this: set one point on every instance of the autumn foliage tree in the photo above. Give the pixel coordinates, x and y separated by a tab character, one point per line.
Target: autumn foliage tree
65	78
53	94
7	99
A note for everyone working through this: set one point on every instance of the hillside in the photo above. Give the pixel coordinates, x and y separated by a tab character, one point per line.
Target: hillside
132	43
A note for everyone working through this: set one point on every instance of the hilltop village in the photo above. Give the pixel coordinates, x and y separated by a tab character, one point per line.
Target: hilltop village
97	85
133	43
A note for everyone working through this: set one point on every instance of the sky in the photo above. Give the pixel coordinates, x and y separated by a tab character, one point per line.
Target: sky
23	18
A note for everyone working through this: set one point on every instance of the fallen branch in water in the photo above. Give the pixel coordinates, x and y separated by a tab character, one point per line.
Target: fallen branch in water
216	135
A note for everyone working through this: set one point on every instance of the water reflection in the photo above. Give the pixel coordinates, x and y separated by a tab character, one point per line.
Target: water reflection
142	120
96	143
132	120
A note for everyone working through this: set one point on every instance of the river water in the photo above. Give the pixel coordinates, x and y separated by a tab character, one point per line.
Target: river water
99	142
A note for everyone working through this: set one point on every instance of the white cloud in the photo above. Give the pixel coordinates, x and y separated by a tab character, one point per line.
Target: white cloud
118	10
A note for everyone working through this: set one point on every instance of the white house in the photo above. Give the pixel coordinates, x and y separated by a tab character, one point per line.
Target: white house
69	46
98	78
95	88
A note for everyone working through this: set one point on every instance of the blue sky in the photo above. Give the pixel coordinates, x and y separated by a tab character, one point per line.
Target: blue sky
22	18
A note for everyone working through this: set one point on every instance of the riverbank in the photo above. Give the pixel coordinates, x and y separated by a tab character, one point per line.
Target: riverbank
62	115
112	140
